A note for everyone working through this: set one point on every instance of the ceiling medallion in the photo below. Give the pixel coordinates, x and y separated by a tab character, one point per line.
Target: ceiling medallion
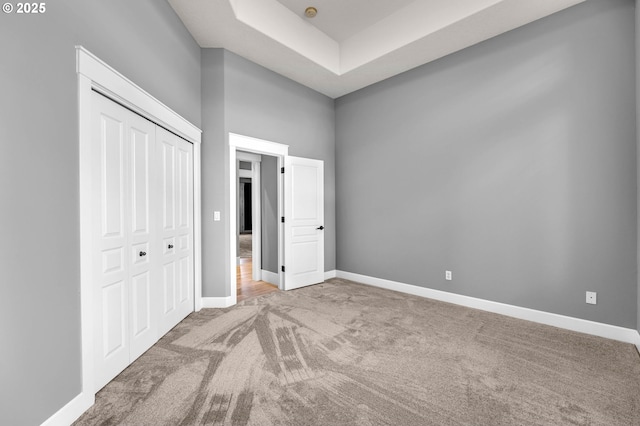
310	12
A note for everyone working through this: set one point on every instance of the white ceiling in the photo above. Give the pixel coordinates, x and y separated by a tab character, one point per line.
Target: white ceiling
341	19
351	44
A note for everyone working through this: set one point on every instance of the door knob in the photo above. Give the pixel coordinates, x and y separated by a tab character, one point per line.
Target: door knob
143	253
170	246
320	227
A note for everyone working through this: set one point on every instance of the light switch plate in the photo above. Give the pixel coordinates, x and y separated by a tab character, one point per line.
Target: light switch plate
216	216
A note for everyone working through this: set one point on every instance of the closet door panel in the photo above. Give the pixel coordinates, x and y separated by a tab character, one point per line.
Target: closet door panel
140	298
167	168
184	272
169	289
184	200
142	271
111	166
184	230
141	140
113	261
177	230
168	183
114	333
110	275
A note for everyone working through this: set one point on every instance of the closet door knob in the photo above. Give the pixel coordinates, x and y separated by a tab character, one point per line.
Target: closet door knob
143	253
170	246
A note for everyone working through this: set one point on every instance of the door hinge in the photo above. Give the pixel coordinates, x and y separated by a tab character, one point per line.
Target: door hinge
282	219
282	268
282	170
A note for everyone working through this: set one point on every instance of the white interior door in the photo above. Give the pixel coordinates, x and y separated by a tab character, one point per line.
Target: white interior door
176	228
123	299
304	222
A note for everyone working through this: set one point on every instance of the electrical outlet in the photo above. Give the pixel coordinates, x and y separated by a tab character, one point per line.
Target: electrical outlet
591	297
216	216
447	275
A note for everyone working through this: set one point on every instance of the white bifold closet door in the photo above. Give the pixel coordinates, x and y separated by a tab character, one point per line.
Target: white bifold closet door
176	210
143	233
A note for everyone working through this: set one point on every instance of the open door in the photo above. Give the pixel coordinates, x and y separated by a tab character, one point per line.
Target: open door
303	222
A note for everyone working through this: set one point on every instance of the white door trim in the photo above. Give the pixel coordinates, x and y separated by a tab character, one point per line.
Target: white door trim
248	157
257	146
95	74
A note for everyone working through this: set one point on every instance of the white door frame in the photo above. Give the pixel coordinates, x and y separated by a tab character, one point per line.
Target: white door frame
94	74
256	212
257	146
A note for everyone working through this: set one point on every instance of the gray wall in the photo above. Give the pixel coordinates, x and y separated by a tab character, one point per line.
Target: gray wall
40	367
511	163
215	237
259	103
269	205
638	138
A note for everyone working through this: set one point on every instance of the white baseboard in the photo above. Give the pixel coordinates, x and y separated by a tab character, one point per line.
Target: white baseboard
270	277
627	335
71	411
218	302
330	274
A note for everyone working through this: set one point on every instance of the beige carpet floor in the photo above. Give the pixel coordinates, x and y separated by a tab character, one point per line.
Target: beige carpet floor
342	353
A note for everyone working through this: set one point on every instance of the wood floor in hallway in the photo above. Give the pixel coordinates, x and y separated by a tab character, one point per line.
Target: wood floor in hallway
246	286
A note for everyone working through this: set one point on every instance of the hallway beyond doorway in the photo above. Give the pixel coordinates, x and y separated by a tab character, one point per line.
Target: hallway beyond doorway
248	288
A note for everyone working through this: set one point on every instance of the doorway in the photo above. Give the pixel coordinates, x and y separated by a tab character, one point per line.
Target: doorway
301	195
239	148
256	237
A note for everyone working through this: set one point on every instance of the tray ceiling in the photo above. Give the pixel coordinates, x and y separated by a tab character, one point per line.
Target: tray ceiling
352	44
